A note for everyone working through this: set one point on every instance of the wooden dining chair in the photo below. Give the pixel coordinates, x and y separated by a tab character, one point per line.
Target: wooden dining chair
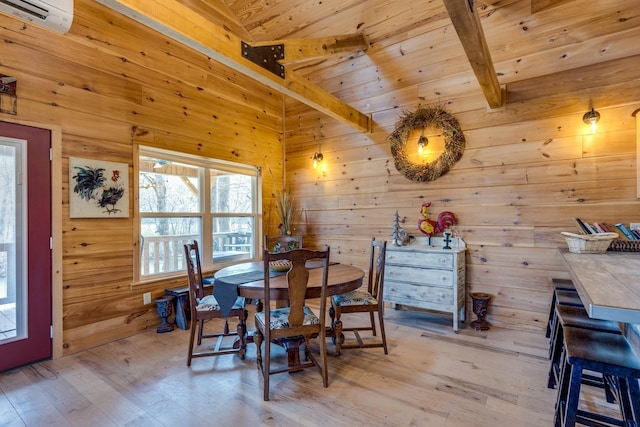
297	321
361	300
282	243
205	307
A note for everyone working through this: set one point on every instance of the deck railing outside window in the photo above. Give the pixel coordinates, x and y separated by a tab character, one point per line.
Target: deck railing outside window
162	254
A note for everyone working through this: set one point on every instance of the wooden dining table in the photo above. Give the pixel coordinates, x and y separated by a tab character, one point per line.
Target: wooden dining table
247	279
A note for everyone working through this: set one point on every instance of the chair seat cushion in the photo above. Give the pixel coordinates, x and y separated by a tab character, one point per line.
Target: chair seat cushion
357	297
280	318
209	303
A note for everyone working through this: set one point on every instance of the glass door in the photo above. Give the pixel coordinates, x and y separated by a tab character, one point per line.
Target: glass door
25	245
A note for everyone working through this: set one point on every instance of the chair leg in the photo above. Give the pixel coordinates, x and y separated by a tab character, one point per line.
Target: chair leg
373	323
323	360
242	332
200	328
257	340
266	369
192	336
338	337
307	348
332	314
382	332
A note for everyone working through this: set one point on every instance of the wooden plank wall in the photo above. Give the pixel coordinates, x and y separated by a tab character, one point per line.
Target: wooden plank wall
527	170
111	83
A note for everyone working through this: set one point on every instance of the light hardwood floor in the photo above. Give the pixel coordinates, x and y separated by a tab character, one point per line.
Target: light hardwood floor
431	377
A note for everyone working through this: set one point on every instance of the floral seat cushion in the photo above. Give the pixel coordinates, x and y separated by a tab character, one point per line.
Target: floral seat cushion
209	303
280	318
357	297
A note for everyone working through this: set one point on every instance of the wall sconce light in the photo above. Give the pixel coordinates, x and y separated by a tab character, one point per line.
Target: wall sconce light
591	118
317	159
423	141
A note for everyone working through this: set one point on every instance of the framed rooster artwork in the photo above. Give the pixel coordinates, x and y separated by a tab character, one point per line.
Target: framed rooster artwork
98	189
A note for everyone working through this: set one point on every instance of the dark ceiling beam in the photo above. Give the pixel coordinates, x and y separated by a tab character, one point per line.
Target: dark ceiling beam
189	28
299	49
467	24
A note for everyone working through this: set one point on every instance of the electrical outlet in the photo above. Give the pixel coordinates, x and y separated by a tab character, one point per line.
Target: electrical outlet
634	225
146	297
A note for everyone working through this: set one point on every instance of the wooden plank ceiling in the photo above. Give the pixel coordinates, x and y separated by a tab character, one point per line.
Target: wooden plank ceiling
392	44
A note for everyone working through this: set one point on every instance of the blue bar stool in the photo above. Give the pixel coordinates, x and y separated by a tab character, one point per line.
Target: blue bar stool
558	285
576	317
605	353
562	298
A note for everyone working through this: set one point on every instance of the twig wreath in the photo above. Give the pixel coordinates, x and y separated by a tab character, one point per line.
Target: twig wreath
424	117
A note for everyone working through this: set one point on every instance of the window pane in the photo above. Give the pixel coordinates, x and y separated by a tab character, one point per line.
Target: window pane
162	242
231	192
177	188
233	239
167	186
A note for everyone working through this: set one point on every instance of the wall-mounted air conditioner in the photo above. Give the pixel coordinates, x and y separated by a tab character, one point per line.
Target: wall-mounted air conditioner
54	15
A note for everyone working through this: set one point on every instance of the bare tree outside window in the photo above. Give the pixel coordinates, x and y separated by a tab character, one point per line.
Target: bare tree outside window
173	201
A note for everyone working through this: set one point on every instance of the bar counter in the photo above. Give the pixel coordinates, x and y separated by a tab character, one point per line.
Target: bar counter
609	287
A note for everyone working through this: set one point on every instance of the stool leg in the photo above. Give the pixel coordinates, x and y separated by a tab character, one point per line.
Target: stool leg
555	323
629	395
623	398
573	396
556	350
563	387
610	386
551	314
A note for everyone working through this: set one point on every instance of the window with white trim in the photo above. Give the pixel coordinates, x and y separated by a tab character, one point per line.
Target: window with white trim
182	198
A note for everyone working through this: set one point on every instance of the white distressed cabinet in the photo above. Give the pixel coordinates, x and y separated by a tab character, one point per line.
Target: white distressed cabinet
427	277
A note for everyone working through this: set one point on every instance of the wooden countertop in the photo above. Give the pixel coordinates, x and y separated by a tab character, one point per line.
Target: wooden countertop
608	284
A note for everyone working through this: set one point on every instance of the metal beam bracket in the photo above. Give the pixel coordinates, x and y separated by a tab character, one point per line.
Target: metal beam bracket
266	56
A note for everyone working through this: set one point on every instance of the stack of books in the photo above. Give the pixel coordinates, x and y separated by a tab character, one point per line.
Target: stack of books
624	232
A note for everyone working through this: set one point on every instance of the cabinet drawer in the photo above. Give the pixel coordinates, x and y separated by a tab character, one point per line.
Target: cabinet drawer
418	296
398	273
420	259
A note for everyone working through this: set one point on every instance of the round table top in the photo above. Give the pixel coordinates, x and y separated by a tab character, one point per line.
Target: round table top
342	278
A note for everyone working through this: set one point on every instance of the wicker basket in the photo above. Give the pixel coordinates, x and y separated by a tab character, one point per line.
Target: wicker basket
589	243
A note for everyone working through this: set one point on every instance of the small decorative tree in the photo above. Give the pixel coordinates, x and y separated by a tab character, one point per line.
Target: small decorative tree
395	234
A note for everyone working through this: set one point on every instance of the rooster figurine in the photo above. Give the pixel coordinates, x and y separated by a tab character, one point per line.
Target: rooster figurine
431	227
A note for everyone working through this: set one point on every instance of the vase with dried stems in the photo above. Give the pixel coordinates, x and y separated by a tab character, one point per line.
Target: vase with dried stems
288	213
